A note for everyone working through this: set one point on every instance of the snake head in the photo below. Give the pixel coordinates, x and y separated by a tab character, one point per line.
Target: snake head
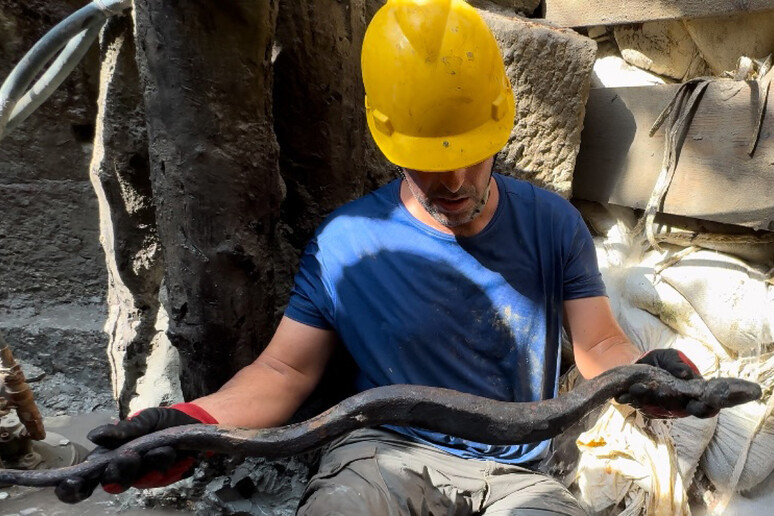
729	392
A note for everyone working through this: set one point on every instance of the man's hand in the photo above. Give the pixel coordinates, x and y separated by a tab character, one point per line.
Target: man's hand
156	468
660	401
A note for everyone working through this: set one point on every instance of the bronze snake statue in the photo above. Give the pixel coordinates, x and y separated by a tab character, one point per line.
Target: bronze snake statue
441	410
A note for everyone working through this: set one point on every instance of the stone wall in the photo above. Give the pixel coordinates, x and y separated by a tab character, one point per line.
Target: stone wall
52	273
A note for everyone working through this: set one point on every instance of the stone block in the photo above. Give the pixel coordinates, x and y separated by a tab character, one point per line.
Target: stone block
258	486
521	7
662	47
51	267
550	71
723	40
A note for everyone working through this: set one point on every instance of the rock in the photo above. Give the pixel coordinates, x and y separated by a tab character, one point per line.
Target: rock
53	270
508	7
598	33
160	381
327	155
258	486
550	70
661	47
206	76
722	41
49	243
120	173
67	340
62	394
32	373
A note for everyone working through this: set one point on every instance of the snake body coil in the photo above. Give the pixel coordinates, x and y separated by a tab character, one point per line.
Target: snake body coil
441	410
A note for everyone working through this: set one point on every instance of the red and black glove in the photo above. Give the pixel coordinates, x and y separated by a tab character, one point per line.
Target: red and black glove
155	468
661	401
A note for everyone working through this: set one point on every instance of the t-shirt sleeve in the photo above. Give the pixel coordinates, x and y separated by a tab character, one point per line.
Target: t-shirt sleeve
581	271
310	301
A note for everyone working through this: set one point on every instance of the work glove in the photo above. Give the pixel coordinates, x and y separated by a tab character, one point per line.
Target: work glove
662	401
157	467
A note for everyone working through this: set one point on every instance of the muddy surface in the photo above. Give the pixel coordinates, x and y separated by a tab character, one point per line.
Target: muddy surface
26	501
254	486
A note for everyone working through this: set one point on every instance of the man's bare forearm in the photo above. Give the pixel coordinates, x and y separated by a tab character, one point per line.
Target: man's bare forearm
613	351
599	343
263	394
268	391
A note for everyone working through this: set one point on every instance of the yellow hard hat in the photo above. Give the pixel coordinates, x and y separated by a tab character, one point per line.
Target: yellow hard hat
437	96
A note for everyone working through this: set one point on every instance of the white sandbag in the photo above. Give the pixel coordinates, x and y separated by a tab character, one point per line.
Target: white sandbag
645	466
732	299
700	354
645	330
690	437
626	460
736	429
731	458
665	302
628	277
606	260
611	257
615	251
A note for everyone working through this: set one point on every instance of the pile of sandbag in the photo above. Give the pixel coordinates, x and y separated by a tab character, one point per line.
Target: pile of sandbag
716	308
719	311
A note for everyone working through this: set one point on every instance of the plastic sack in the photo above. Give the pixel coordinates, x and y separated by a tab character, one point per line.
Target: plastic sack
626	461
732	298
739	439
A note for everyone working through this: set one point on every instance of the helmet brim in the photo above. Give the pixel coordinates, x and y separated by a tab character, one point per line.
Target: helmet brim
444	153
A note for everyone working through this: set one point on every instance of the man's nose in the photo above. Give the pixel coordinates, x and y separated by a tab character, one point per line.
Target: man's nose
453	179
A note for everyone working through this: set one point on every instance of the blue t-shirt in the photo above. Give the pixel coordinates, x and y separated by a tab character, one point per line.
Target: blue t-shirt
480	314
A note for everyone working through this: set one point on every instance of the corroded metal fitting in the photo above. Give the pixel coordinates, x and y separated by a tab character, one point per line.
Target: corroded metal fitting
19	393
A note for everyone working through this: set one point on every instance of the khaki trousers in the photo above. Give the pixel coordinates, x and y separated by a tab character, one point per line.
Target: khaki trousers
381	473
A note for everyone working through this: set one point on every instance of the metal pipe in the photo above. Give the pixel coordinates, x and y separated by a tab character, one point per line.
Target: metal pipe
20	78
19	393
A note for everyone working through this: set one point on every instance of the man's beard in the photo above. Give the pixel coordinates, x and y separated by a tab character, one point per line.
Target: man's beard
453	220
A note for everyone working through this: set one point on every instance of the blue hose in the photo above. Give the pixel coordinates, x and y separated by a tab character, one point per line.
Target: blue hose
75	34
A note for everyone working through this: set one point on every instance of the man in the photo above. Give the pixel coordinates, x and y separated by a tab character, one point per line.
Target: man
451	276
